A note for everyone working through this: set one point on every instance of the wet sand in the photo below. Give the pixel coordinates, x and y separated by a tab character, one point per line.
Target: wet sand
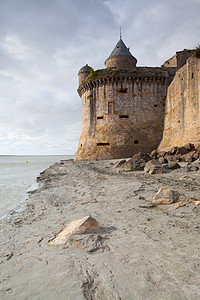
144	252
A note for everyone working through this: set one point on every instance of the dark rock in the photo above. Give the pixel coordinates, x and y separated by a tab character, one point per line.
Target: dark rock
188	157
154	167
172	158
136	163
173	165
182	150
189	146
162	160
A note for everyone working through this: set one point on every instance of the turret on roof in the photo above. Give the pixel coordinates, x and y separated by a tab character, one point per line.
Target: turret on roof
121	57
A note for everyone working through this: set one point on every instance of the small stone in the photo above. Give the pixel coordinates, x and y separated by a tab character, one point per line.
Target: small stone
185	177
80	226
165	196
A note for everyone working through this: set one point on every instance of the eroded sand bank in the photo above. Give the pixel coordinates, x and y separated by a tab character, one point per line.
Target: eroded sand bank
143	253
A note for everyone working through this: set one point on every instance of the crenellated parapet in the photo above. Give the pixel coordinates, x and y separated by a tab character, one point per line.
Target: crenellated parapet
120	76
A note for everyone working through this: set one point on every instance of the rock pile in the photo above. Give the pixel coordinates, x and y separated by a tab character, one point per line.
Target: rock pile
162	162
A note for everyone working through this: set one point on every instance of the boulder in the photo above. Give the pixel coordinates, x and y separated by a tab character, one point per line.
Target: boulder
154	154
162	160
154	167
182	150
196	155
173	165
173	157
173	150
136	162
189	146
80	226
165	196
188	157
161	154
190	167
119	163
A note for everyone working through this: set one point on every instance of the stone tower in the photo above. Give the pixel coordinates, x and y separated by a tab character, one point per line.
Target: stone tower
122	107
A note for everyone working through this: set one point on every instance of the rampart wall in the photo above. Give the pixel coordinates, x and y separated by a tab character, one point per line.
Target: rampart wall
182	112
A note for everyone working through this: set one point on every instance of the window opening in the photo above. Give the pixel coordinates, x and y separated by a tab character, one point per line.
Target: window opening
122	90
123	116
155	105
110	107
99	117
136	141
103	144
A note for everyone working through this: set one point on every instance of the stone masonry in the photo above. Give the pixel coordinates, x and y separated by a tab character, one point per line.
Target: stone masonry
123	106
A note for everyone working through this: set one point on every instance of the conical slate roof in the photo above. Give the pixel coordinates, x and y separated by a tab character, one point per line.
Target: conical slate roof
85	69
120	49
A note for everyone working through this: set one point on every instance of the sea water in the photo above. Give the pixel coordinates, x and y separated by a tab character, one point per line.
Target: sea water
18	175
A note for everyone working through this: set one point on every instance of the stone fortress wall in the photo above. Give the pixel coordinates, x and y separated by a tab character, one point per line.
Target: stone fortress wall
182	112
123	106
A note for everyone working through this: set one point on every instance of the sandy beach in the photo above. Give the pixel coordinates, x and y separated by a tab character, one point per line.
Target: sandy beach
143	252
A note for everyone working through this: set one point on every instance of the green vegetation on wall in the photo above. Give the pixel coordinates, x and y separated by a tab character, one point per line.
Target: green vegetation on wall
197	52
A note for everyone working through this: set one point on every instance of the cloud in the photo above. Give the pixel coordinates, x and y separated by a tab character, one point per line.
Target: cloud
43	44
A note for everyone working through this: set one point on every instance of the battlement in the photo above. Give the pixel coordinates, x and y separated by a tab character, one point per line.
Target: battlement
108	75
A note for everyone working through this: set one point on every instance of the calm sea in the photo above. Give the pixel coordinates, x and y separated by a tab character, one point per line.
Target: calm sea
18	174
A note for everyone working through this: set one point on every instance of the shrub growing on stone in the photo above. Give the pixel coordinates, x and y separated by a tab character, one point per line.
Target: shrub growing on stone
197	52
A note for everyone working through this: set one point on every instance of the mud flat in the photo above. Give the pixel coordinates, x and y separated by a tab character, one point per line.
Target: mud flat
143	252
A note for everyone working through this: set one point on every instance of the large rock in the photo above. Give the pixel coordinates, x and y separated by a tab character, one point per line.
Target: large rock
162	160
182	150
189	146
188	157
154	154
165	196
173	165
154	167
136	162
119	163
80	226
161	154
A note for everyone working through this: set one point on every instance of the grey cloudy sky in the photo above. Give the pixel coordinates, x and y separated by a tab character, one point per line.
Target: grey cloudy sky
44	43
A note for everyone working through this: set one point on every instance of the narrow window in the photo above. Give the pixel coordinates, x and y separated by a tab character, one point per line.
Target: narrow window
110	108
136	141
155	105
192	75
103	144
99	117
123	116
121	90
